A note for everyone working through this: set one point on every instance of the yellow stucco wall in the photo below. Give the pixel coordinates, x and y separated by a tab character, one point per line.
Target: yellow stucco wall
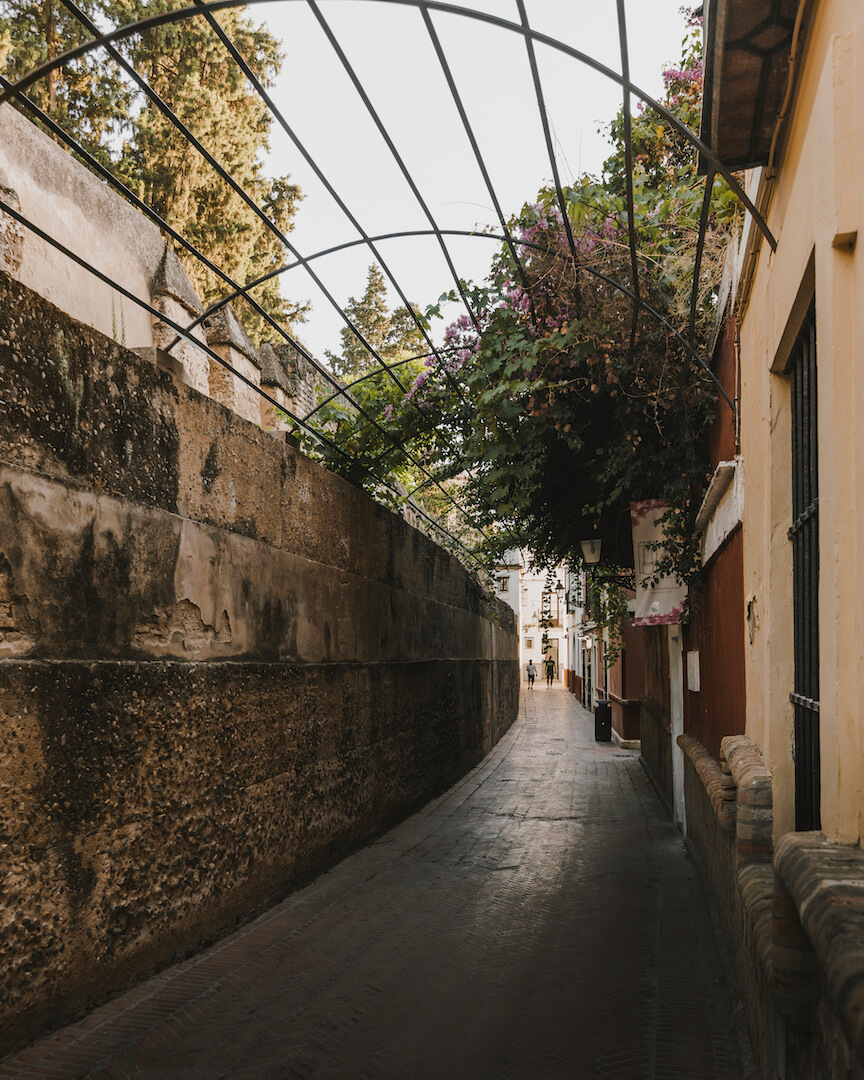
816	204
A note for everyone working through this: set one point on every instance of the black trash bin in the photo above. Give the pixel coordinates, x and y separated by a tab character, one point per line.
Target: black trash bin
603	720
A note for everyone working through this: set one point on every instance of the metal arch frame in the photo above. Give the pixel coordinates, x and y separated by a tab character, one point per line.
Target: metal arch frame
529	35
488	235
363	378
244	290
178	15
481	164
247	199
391	146
278	116
207	6
280	119
239	290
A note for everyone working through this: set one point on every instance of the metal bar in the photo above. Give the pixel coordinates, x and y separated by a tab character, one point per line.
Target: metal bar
620	286
628	168
700	247
7	209
239	290
178	15
223	173
364	97
813	473
547	135
280	119
229	179
804	535
370	375
481	164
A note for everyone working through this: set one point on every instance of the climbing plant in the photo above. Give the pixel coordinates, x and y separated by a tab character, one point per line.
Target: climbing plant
570	406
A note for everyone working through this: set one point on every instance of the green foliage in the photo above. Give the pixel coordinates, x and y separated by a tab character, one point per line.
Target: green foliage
570	409
384	447
87	98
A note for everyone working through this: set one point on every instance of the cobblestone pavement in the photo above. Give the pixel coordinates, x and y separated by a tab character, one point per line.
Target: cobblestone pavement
540	920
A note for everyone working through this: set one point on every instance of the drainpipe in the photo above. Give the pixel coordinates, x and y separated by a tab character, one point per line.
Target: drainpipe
676	708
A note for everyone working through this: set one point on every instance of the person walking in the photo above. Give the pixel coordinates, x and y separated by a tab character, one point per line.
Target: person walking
532	674
550	672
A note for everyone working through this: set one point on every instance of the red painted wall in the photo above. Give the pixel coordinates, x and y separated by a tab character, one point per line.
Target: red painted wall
717	633
625	683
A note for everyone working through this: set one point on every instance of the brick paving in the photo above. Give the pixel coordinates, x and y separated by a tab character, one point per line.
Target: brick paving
541	920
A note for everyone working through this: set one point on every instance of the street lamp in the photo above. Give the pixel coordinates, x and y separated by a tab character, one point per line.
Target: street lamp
590	551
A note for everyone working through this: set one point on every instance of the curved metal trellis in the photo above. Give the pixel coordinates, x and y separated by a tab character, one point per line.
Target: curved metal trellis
208	8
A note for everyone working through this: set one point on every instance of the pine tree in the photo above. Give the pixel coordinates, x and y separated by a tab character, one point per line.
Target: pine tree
187	65
393	335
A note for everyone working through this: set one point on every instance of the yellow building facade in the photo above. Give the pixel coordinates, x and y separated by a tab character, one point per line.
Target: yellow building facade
811	195
778	818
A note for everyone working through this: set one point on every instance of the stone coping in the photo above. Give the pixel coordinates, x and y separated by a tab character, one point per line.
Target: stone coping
718	787
803	904
740	792
751	775
825	882
754	799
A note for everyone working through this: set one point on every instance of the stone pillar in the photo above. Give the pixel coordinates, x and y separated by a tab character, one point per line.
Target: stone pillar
171	293
227	338
274	380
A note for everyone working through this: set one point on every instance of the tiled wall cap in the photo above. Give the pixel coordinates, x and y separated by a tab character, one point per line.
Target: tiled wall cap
223	327
170	280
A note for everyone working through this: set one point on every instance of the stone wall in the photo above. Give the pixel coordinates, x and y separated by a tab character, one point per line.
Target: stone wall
222	667
793	918
711	799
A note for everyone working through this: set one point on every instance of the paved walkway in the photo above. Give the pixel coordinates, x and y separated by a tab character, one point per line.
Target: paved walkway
539	921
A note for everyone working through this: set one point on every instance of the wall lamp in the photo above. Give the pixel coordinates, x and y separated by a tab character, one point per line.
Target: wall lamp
590	551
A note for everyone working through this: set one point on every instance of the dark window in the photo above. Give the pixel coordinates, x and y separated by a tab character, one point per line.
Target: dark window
804	534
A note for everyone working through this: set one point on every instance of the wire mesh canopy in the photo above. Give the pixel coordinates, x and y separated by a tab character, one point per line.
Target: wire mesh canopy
106	41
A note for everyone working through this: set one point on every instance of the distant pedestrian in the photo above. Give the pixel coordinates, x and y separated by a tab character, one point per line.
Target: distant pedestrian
532	674
550	671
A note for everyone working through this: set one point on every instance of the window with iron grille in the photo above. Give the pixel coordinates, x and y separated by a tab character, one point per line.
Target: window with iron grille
804	534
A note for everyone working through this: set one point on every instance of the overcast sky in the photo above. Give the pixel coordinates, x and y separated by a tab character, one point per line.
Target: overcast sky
393	56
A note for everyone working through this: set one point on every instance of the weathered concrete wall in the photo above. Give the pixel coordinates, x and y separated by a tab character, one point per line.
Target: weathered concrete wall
73	205
223	667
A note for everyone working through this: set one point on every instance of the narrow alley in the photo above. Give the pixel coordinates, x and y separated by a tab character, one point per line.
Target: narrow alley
542	919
